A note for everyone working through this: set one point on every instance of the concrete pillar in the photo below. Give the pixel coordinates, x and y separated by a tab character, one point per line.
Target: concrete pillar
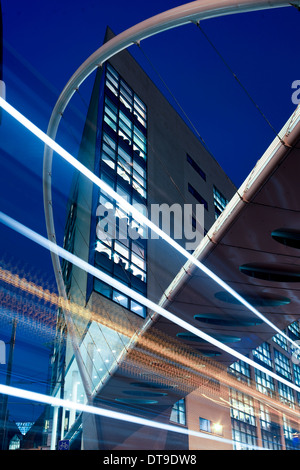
54	428
62	429
74	397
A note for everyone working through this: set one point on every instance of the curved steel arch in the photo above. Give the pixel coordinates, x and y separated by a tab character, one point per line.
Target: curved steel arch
189	13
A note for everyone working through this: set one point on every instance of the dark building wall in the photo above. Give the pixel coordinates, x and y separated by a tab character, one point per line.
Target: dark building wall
169	141
169	174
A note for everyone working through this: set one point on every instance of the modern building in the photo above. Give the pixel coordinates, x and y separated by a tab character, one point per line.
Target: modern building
254	410
140	146
253	245
121	357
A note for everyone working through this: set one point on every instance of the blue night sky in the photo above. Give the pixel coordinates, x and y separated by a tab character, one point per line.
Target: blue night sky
46	41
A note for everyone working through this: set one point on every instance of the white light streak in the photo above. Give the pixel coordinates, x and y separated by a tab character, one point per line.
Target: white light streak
59	402
135	213
44	242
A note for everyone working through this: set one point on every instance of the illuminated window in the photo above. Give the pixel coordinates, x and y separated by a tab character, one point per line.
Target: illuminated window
208	426
243	420
270	430
241	370
264	383
296	370
242	407
120	245
263	354
289	434
244	435
281	341
282	365
286	395
220	202
178	413
205	425
294	330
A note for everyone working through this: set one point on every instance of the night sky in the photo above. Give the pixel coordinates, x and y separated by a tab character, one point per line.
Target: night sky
46	41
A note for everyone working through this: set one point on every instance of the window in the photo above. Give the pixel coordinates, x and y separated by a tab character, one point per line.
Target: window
294	330
14	443
137	308
243	420
242	407
220	202
281	341
178	413
263	354
120	298
133	104
205	425
270	430
264	383
244	435
122	156
282	365
289	434
241	370
296	370
196	166
197	196
286	395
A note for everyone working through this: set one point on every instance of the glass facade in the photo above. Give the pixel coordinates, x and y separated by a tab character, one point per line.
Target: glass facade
117	245
120	247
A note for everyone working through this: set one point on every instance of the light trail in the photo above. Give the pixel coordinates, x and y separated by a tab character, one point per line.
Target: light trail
116	415
61	252
135	213
171	354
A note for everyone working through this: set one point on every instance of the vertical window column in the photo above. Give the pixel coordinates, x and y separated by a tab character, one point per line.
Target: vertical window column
123	157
